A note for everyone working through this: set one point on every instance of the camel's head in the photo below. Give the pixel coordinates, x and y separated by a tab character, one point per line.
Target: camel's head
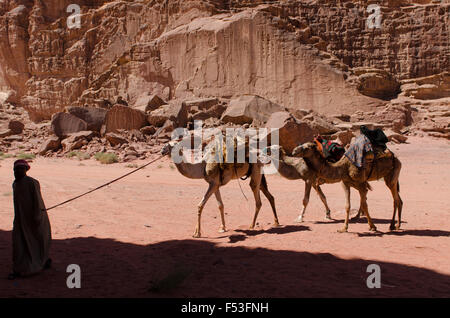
270	153
305	150
167	149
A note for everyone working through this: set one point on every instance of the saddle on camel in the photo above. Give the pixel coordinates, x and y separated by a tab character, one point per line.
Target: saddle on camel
368	148
331	151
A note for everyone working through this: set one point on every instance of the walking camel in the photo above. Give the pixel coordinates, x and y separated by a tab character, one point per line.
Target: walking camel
293	168
387	167
217	175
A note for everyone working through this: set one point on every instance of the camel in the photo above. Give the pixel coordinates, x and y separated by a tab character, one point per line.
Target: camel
217	176
294	169
387	167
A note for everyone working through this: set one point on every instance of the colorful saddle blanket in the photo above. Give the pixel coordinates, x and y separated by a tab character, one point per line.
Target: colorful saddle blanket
331	151
357	150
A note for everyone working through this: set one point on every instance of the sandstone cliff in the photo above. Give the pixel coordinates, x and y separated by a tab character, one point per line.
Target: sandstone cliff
300	54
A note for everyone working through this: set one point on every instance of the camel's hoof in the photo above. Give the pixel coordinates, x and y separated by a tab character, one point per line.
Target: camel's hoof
299	220
392	227
373	229
328	216
223	230
276	224
196	235
397	227
344	230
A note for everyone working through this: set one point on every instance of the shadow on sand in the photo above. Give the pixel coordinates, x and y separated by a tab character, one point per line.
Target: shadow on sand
199	268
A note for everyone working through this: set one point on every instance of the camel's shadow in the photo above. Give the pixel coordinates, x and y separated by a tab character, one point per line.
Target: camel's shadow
276	230
360	220
426	232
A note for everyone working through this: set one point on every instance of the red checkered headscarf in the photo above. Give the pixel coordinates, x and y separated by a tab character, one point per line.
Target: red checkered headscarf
22	163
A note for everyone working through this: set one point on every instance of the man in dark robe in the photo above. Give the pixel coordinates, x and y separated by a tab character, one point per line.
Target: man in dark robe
31	233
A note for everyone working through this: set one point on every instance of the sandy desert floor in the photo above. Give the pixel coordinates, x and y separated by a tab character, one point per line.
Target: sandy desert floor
133	238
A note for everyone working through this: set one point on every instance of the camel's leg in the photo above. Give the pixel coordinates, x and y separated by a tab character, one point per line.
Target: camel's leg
324	200
347	207
308	184
363	194
265	190
223	228
400	208
255	184
398	204
213	187
360	211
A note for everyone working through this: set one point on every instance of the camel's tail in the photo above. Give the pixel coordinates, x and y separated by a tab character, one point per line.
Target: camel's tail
368	186
398	186
249	172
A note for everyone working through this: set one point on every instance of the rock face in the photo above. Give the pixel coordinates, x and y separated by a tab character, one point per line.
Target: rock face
298	54
124	117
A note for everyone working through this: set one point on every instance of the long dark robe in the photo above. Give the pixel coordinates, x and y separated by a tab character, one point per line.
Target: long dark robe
31	230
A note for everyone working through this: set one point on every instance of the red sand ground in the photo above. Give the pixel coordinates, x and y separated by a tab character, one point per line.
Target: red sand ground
132	234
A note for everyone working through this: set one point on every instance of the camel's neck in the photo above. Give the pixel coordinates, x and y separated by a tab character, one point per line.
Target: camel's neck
332	172
191	170
290	169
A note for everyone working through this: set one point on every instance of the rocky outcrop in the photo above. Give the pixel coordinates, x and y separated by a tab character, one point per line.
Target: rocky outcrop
430	87
376	83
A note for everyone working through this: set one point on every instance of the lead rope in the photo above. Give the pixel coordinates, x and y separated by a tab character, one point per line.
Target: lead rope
104	185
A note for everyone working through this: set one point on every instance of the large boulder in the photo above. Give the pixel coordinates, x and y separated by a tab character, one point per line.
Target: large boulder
77	140
94	117
320	124
123	117
51	144
64	124
148	103
247	108
115	139
292	132
204	108
176	112
16	127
